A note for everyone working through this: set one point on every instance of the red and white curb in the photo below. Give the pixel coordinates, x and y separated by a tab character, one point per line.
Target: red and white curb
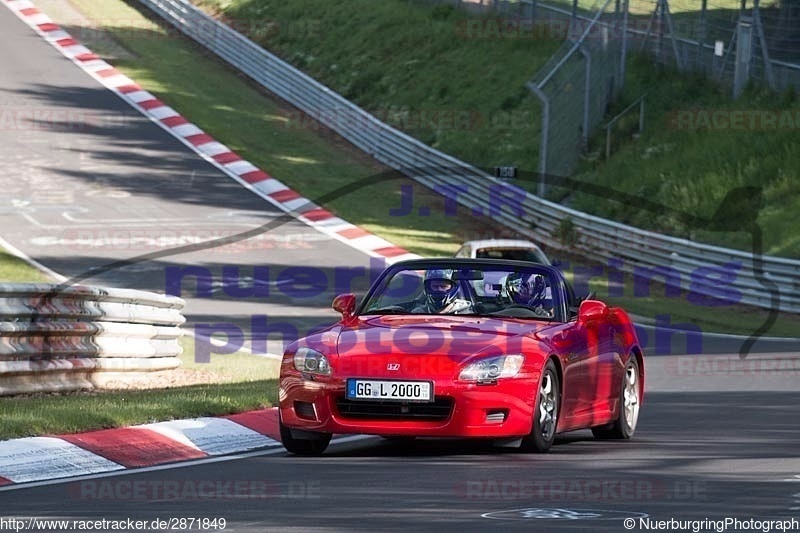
216	153
68	456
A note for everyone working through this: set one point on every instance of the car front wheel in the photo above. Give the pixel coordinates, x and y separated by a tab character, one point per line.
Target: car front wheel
302	442
630	398
545	416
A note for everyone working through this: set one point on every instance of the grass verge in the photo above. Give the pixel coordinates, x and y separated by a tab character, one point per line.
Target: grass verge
53	414
14	269
228	384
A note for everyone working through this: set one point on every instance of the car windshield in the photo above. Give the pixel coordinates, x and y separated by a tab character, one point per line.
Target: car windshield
502	289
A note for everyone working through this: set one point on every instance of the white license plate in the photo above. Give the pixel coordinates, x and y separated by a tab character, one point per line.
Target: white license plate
412	391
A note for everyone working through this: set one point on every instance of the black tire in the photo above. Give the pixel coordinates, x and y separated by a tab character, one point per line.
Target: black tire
630	397
545	415
314	444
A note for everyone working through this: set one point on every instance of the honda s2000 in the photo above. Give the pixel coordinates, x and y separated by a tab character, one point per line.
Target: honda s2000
464	348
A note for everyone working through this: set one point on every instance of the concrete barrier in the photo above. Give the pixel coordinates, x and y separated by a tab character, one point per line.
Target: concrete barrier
61	338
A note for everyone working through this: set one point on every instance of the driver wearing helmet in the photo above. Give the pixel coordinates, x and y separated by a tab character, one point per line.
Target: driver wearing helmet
529	291
440	295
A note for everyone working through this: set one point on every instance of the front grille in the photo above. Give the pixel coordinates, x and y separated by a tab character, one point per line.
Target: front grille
440	409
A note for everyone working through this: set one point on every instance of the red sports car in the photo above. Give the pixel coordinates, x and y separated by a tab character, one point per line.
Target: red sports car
464	348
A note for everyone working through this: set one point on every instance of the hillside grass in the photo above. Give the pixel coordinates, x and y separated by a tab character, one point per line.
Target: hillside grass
688	161
456	87
402	59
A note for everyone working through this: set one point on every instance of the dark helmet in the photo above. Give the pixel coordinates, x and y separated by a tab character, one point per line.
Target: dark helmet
524	289
440	289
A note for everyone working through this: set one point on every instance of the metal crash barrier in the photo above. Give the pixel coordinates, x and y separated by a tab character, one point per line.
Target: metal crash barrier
62	338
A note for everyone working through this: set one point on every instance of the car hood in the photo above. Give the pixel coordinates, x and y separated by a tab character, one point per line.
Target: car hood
424	345
458	337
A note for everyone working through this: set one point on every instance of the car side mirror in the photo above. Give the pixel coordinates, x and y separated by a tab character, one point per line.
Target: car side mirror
346	305
591	311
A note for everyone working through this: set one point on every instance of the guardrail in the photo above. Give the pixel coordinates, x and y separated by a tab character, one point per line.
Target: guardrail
701	268
59	338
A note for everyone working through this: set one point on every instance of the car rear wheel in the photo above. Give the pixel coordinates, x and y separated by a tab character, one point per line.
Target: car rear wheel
630	399
545	416
302	442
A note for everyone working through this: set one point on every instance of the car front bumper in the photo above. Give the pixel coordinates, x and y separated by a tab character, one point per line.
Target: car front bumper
504	409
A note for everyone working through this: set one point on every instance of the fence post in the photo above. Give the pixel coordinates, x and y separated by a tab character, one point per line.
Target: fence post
659	15
545	133
744	52
543	147
624	51
701	35
673	37
763	45
587	91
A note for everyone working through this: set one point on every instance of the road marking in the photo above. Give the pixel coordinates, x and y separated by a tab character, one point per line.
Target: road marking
553	513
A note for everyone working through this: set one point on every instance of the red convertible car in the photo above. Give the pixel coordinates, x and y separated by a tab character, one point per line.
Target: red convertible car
457	348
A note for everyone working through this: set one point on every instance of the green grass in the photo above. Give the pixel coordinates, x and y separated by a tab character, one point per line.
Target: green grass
691	170
232	383
53	414
470	101
14	269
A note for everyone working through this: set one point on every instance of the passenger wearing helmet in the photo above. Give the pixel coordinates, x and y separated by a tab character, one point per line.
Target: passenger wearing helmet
530	291
441	294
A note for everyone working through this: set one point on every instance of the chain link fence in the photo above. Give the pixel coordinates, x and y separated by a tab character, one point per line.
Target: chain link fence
735	42
577	85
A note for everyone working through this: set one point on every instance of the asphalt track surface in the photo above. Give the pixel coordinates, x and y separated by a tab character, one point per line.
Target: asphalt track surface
717	436
88	181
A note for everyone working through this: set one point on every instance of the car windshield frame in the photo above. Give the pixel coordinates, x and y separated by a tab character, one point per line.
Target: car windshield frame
560	292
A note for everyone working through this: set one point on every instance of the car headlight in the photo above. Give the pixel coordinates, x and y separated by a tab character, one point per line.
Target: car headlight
311	361
492	368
